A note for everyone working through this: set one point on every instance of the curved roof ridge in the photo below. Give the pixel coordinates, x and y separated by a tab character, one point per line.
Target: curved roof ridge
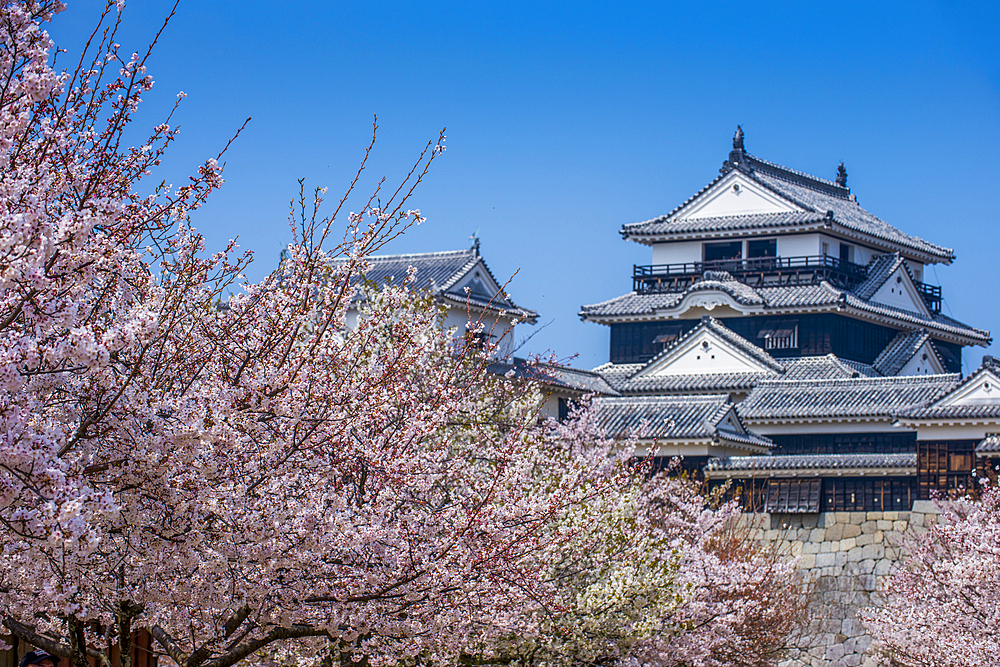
891	379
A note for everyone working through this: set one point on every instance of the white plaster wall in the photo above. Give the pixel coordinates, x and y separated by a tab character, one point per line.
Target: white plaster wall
924	362
798	245
917	269
953	432
737	195
697	359
872	426
677	252
898	291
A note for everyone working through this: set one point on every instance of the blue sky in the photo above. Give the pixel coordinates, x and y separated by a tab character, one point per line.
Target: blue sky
566	120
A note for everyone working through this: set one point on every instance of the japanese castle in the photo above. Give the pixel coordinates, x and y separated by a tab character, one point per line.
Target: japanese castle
784	339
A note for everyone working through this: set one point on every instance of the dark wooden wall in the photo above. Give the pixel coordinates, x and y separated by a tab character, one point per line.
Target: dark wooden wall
818	334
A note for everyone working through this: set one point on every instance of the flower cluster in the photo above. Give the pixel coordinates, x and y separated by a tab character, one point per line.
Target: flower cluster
942	607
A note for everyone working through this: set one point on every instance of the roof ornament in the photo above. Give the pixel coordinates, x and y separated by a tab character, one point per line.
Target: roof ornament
475	241
841	176
738	156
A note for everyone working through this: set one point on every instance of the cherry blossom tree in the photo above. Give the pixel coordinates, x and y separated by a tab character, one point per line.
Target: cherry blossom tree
942	606
228	467
656	573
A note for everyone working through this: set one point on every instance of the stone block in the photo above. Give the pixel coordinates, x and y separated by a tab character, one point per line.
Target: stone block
826	519
867	566
926	507
883	567
882	524
817	534
852	660
834	652
840	559
827	547
867	582
916	519
878	537
807	562
852	627
890	515
810	547
874	516
834	533
852	530
809	520
863	540
843	517
847	544
899	526
873	551
868	527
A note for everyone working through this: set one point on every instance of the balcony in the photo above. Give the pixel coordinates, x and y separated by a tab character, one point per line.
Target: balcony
765	272
932	296
755	271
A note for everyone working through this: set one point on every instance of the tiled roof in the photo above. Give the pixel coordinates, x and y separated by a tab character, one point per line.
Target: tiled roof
616	373
434	269
721	280
439	272
576	379
777	299
900	350
623	376
846	211
980	411
799	462
674	418
879	270
989	445
938	322
697	382
825	367
832	399
817	196
555	375
664	224
977	410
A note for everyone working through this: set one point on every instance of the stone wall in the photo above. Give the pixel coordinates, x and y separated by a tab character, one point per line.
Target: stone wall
843	555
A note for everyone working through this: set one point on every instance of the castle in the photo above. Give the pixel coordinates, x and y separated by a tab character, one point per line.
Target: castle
799	325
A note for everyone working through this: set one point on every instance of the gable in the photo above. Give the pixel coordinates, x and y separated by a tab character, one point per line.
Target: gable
899	291
731	423
479	282
924	362
983	389
703	353
736	195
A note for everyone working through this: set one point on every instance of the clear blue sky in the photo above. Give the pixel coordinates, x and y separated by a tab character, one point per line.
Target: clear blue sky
566	120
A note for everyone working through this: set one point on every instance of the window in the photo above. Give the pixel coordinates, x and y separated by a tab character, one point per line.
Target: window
944	466
846	443
762	248
846	252
721	251
780	335
793	496
868	494
826	249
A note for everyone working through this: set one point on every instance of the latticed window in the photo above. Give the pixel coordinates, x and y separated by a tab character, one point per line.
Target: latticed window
780	336
944	466
868	494
793	496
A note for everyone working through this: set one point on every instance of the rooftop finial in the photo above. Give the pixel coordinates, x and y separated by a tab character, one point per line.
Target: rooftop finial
475	241
738	139
841	176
